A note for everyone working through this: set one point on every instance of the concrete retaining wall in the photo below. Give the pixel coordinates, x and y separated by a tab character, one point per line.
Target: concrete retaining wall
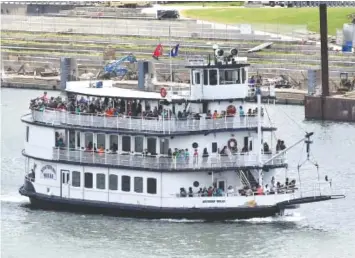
13	9
334	108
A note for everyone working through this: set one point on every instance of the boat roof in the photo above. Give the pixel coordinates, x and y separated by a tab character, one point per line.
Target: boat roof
83	88
218	66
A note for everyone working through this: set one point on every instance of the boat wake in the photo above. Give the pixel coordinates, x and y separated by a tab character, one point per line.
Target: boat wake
290	217
13	199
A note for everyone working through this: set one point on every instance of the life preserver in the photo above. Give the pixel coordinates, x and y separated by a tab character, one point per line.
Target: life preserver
232	144
163	92
231	110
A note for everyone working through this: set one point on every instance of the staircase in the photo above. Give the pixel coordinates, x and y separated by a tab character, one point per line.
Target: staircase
247	178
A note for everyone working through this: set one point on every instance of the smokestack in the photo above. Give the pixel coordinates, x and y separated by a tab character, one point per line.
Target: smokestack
324	48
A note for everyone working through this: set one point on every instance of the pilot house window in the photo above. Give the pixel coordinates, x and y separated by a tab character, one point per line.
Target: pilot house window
228	76
213	77
197	78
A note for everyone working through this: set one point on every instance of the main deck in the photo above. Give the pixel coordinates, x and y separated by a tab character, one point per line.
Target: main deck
162	162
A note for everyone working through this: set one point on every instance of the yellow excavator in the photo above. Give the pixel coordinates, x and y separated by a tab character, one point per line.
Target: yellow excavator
345	83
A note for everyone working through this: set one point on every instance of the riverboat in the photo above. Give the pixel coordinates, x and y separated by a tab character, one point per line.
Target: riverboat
200	153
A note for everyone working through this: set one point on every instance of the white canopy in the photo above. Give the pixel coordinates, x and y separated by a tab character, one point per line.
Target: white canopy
83	88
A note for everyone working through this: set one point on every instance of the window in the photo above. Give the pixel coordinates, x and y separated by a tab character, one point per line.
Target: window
213	76
75	176
228	76
205	77
152	145
78	139
214	147
197	80
138	184
244	75
126	183
114	143
126	143
100	181
237	77
71	139
88	180
151	185
27	133
113	182
101	141
138	144
164	146
89	141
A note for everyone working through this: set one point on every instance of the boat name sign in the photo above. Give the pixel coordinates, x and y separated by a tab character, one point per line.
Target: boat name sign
213	201
48	172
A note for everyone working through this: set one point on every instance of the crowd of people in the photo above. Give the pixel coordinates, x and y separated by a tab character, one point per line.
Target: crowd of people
132	108
202	192
274	188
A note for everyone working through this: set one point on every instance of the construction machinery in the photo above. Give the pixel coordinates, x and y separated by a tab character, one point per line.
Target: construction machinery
120	68
345	83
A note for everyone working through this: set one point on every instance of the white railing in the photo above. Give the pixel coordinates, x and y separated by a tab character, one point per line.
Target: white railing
164	162
159	124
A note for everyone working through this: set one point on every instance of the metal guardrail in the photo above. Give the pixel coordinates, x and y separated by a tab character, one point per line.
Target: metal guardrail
164	162
172	125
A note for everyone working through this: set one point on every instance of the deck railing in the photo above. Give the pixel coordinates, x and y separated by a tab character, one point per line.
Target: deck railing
164	162
145	124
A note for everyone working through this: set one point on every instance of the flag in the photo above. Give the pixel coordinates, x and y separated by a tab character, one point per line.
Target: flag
174	51
158	52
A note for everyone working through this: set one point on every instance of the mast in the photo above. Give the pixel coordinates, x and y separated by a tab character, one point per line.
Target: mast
258	146
170	60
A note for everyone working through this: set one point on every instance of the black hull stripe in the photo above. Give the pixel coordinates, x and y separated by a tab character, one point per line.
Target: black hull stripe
42	201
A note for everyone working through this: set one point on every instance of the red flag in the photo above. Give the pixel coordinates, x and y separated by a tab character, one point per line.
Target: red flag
158	52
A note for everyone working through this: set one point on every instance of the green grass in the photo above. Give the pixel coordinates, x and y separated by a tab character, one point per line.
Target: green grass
204	3
281	16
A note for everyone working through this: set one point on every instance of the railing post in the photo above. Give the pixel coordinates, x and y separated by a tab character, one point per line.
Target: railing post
142	123
130	122
105	121
117	123
92	120
57	153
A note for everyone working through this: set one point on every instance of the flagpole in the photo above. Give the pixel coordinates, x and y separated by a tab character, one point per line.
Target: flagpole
171	69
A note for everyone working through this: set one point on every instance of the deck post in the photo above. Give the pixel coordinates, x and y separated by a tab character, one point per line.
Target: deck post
259	161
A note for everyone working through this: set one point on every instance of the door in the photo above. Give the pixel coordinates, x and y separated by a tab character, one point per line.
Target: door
65	183
221	184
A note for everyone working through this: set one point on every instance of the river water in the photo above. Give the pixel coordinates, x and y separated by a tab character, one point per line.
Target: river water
315	230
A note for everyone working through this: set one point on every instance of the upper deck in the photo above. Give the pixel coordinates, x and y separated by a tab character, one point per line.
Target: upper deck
159	125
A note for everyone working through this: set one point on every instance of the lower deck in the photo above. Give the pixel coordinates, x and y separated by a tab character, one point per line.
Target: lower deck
149	188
